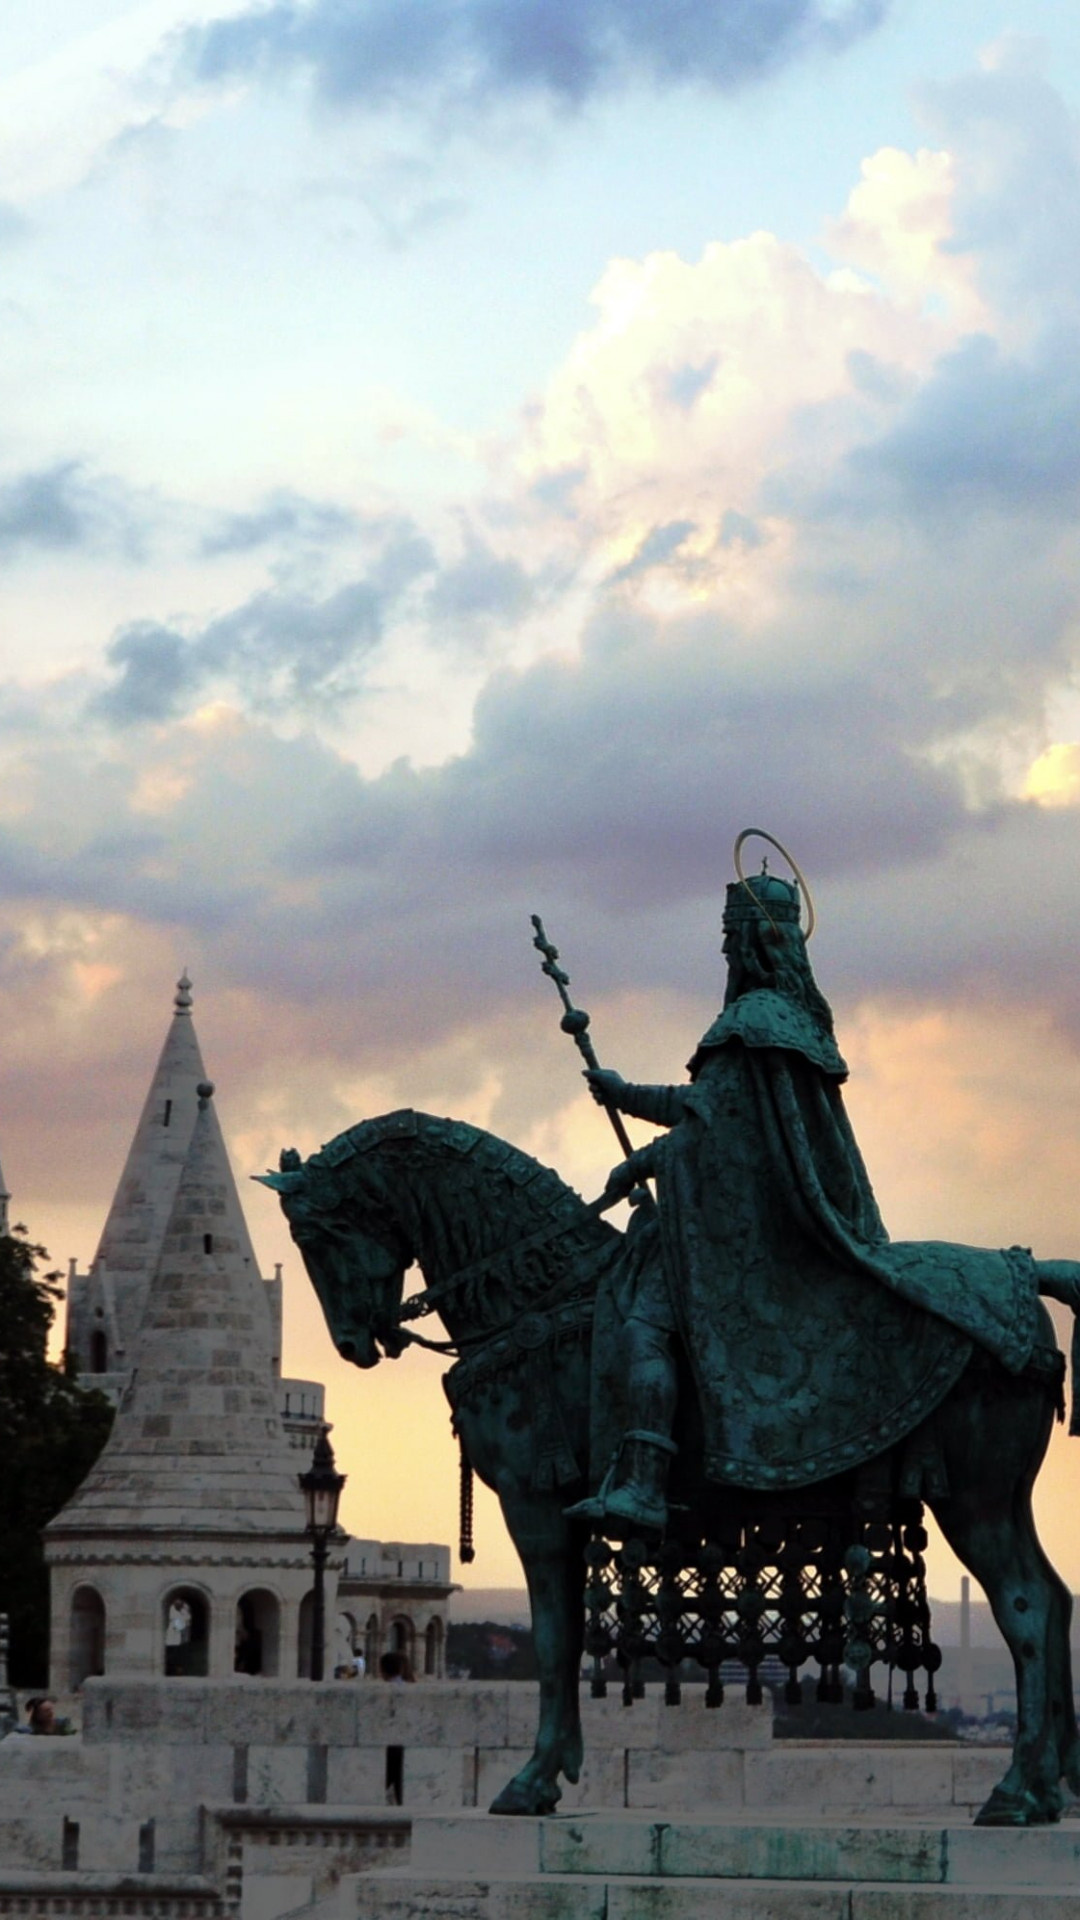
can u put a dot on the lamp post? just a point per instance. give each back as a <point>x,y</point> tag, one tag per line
<point>321,1487</point>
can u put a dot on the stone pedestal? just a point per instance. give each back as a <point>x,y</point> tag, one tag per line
<point>719,1866</point>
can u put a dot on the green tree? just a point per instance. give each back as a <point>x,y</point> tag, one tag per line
<point>51,1432</point>
<point>486,1651</point>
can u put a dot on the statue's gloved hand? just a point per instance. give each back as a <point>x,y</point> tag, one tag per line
<point>605,1085</point>
<point>622,1180</point>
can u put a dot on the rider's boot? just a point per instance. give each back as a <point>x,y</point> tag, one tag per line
<point>634,1490</point>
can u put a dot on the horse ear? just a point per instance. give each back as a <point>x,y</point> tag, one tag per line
<point>290,1182</point>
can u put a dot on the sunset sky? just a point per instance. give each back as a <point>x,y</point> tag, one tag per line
<point>467,458</point>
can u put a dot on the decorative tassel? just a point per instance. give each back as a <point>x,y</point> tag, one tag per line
<point>466,1550</point>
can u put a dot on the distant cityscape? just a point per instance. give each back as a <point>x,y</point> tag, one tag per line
<point>986,1688</point>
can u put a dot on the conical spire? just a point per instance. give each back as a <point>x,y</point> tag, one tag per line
<point>132,1235</point>
<point>197,1445</point>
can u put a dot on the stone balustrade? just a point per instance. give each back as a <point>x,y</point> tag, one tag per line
<point>271,1790</point>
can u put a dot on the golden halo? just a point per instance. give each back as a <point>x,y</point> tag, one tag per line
<point>759,833</point>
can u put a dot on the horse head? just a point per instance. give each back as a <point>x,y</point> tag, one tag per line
<point>354,1255</point>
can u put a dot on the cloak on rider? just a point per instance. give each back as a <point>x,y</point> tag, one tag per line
<point>812,1340</point>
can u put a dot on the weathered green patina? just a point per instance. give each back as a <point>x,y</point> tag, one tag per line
<point>756,1331</point>
<point>812,1340</point>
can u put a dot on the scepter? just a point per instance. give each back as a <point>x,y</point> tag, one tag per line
<point>575,1021</point>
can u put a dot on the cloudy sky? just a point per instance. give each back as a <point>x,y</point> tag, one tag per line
<point>463,458</point>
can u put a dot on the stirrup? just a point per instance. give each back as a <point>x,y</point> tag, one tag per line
<point>618,1502</point>
<point>661,1440</point>
<point>595,1506</point>
<point>626,1505</point>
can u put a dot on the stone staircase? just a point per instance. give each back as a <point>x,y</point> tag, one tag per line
<point>711,1866</point>
<point>34,1895</point>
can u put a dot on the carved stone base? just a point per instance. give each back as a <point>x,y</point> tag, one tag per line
<point>701,1865</point>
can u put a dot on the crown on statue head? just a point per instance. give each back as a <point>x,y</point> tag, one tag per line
<point>763,896</point>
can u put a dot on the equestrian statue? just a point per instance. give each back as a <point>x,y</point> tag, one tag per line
<point>712,1434</point>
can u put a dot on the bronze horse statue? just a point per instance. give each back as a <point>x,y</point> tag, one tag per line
<point>514,1263</point>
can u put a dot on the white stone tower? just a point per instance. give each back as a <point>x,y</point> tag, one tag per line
<point>184,1551</point>
<point>105,1305</point>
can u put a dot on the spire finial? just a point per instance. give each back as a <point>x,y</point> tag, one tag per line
<point>182,1002</point>
<point>205,1091</point>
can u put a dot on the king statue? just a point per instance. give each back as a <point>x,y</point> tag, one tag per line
<point>765,1263</point>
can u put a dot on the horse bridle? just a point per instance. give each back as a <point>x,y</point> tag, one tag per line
<point>419,1305</point>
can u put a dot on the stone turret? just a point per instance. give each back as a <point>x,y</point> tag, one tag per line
<point>105,1305</point>
<point>184,1550</point>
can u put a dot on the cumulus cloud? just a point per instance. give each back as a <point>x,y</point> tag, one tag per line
<point>571,792</point>
<point>779,540</point>
<point>899,227</point>
<point>817,538</point>
<point>736,479</point>
<point>1053,779</point>
<point>285,518</point>
<point>291,651</point>
<point>64,507</point>
<point>989,429</point>
<point>1016,207</point>
<point>283,649</point>
<point>481,587</point>
<point>459,55</point>
<point>791,366</point>
<point>395,910</point>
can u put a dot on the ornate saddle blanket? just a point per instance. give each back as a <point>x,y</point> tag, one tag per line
<point>802,1383</point>
<point>812,1342</point>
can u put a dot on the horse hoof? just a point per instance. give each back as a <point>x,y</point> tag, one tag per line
<point>516,1798</point>
<point>1005,1809</point>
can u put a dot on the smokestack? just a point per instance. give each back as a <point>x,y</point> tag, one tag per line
<point>965,1676</point>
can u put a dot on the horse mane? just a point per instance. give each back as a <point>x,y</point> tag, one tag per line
<point>504,1182</point>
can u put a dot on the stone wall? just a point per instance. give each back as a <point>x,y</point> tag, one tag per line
<point>171,1755</point>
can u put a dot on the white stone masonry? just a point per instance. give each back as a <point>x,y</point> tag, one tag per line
<point>193,1506</point>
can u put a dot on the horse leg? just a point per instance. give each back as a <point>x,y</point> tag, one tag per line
<point>987,1520</point>
<point>1067,1731</point>
<point>553,1556</point>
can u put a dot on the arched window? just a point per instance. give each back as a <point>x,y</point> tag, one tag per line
<point>186,1629</point>
<point>346,1643</point>
<point>258,1633</point>
<point>87,1644</point>
<point>401,1641</point>
<point>303,1644</point>
<point>99,1351</point>
<point>372,1648</point>
<point>433,1639</point>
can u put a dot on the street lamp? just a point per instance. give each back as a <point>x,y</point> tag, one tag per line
<point>321,1487</point>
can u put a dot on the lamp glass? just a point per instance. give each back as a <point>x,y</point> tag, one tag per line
<point>322,1506</point>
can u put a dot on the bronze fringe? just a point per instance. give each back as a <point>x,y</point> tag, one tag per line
<point>466,1550</point>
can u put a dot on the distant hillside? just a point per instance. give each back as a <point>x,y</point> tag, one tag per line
<point>945,1615</point>
<point>509,1606</point>
<point>506,1606</point>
